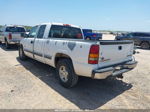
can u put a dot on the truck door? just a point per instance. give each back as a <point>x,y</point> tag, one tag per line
<point>29,42</point>
<point>39,44</point>
<point>48,49</point>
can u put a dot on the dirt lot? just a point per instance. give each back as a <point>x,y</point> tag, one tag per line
<point>32,85</point>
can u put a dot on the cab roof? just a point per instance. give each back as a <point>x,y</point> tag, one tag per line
<point>13,26</point>
<point>61,24</point>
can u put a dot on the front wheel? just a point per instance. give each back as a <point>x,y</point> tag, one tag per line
<point>22,56</point>
<point>66,74</point>
<point>88,38</point>
<point>145,45</point>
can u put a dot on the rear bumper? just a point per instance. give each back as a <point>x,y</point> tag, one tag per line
<point>103,73</point>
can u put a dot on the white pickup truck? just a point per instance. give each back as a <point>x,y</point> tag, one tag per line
<point>11,34</point>
<point>63,46</point>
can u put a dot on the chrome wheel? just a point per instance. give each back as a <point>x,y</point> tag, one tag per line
<point>63,73</point>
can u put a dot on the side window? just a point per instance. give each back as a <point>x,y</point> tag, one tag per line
<point>72,33</point>
<point>65,32</point>
<point>55,31</point>
<point>41,31</point>
<point>33,33</point>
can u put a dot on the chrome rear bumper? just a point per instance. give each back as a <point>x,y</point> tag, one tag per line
<point>103,73</point>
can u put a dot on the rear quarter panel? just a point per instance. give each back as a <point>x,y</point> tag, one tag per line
<point>78,51</point>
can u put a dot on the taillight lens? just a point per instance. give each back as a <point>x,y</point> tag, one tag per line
<point>10,36</point>
<point>94,35</point>
<point>94,54</point>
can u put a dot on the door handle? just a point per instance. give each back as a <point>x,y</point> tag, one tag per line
<point>120,48</point>
<point>32,42</point>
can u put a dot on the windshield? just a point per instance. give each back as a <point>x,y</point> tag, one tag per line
<point>87,31</point>
<point>15,29</point>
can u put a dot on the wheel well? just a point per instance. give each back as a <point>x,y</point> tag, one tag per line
<point>61,56</point>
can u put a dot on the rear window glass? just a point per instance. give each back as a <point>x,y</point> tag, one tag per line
<point>15,29</point>
<point>65,32</point>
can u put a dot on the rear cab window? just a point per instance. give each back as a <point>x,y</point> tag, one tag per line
<point>15,29</point>
<point>58,31</point>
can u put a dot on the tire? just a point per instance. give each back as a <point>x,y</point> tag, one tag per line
<point>66,74</point>
<point>22,56</point>
<point>88,38</point>
<point>7,45</point>
<point>120,76</point>
<point>145,45</point>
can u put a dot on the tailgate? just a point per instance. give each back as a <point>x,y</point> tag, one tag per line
<point>17,36</point>
<point>115,52</point>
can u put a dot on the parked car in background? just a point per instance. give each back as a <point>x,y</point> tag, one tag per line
<point>141,39</point>
<point>90,35</point>
<point>64,47</point>
<point>11,34</point>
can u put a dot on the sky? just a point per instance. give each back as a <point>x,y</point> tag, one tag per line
<point>122,15</point>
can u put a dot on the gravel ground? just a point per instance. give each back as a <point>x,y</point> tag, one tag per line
<point>33,85</point>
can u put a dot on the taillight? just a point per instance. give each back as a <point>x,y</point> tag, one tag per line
<point>10,36</point>
<point>94,35</point>
<point>94,54</point>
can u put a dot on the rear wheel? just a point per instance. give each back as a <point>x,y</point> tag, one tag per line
<point>145,45</point>
<point>66,74</point>
<point>88,38</point>
<point>22,56</point>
